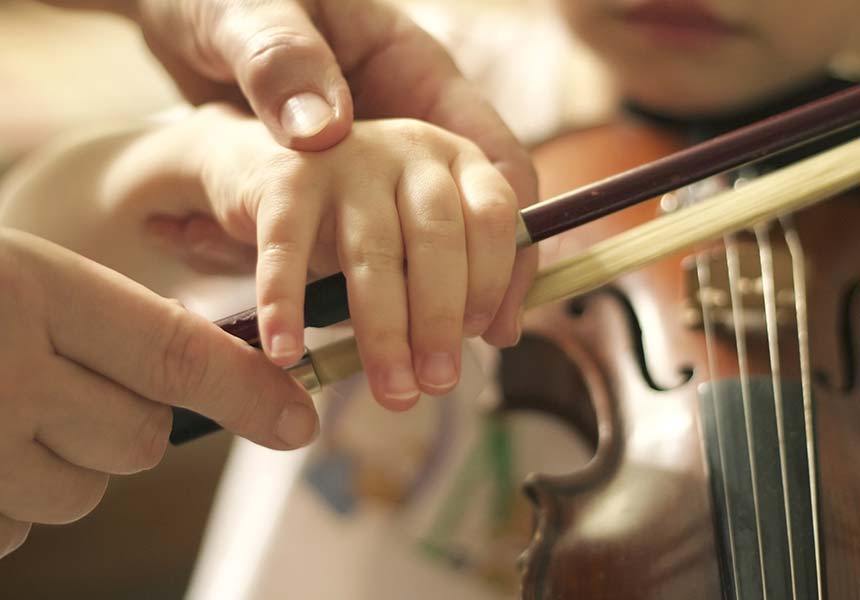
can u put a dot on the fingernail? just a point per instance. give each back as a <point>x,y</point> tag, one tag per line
<point>298,425</point>
<point>437,371</point>
<point>306,114</point>
<point>285,347</point>
<point>474,325</point>
<point>400,384</point>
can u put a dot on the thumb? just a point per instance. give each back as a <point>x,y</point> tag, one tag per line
<point>283,65</point>
<point>120,330</point>
<point>270,48</point>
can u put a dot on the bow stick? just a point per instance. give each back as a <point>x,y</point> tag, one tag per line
<point>784,191</point>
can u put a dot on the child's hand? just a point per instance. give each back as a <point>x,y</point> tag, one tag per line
<point>394,193</point>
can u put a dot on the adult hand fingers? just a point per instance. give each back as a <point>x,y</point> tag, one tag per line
<point>42,488</point>
<point>157,349</point>
<point>12,534</point>
<point>371,255</point>
<point>273,50</point>
<point>94,423</point>
<point>431,218</point>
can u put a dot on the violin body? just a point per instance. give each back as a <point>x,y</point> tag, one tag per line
<point>720,398</point>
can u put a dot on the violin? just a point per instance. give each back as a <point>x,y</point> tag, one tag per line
<point>715,380</point>
<point>718,390</point>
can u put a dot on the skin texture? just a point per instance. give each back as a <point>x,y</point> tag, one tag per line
<point>84,389</point>
<point>305,69</point>
<point>393,191</point>
<point>364,58</point>
<point>772,45</point>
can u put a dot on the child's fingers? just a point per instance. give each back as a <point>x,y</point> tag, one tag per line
<point>371,255</point>
<point>490,214</point>
<point>286,231</point>
<point>506,328</point>
<point>431,216</point>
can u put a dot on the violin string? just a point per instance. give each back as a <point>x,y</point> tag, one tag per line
<point>798,266</point>
<point>703,276</point>
<point>733,263</point>
<point>703,273</point>
<point>762,235</point>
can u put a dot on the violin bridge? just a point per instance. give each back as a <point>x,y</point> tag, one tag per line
<point>715,297</point>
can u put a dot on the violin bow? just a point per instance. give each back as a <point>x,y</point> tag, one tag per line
<point>787,190</point>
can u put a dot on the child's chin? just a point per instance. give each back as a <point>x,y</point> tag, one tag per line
<point>710,99</point>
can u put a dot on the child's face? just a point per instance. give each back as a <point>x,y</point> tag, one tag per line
<point>707,56</point>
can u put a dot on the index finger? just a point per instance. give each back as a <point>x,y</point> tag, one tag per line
<point>154,347</point>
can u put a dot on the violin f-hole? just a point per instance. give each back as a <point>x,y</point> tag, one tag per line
<point>577,307</point>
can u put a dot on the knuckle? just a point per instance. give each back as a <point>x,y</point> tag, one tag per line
<point>283,172</point>
<point>485,299</point>
<point>375,256</point>
<point>497,217</point>
<point>437,233</point>
<point>183,359</point>
<point>269,49</point>
<point>272,179</point>
<point>442,323</point>
<point>279,252</point>
<point>274,259</point>
<point>150,444</point>
<point>415,133</point>
<point>237,217</point>
<point>385,346</point>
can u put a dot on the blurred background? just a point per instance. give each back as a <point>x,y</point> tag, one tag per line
<point>64,70</point>
<point>61,71</point>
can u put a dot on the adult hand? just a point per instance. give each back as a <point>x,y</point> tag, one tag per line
<point>306,67</point>
<point>90,362</point>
